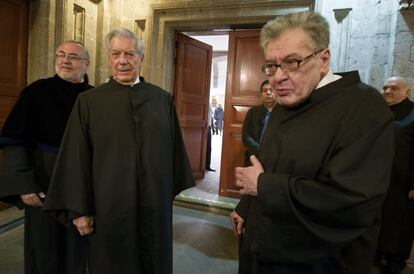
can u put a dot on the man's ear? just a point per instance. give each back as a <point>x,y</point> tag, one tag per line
<point>325,57</point>
<point>408,91</point>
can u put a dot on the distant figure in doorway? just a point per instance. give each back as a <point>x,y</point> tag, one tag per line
<point>208,137</point>
<point>213,109</point>
<point>219,117</point>
<point>397,228</point>
<point>256,121</point>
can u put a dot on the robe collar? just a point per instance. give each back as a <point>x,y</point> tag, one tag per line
<point>328,78</point>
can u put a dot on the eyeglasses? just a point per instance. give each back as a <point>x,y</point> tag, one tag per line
<point>288,65</point>
<point>70,57</point>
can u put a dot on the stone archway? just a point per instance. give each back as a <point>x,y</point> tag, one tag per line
<point>166,19</point>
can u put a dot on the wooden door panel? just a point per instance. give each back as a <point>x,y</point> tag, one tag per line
<point>245,58</point>
<point>13,57</point>
<point>13,47</point>
<point>247,66</point>
<point>191,91</point>
<point>6,105</point>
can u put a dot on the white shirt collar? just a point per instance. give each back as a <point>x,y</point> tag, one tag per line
<point>136,81</point>
<point>329,78</point>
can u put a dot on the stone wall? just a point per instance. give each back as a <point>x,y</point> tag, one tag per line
<point>403,53</point>
<point>373,37</point>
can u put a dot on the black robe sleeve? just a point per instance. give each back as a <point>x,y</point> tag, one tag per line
<point>61,199</point>
<point>17,171</point>
<point>17,176</point>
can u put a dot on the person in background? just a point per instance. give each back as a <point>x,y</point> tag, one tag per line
<point>311,201</point>
<point>397,227</point>
<point>208,137</point>
<point>256,122</point>
<point>30,140</point>
<point>219,117</point>
<point>213,109</point>
<point>121,163</point>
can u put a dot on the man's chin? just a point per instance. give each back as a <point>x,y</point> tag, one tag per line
<point>123,79</point>
<point>289,101</point>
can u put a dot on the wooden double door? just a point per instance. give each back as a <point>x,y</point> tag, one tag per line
<point>192,85</point>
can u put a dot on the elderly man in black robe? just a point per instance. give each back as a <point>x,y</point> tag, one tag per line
<point>256,122</point>
<point>311,200</point>
<point>121,163</point>
<point>397,228</point>
<point>30,139</point>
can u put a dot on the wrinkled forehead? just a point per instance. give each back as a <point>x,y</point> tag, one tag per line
<point>266,86</point>
<point>122,42</point>
<point>393,83</point>
<point>289,42</point>
<point>70,48</point>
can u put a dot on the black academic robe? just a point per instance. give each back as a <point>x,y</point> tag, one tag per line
<point>397,229</point>
<point>122,161</point>
<point>252,130</point>
<point>30,139</point>
<point>327,166</point>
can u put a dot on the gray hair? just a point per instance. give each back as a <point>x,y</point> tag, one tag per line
<point>80,44</point>
<point>127,33</point>
<point>314,24</point>
<point>399,79</point>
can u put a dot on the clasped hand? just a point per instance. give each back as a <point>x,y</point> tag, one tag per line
<point>246,177</point>
<point>84,224</point>
<point>33,199</point>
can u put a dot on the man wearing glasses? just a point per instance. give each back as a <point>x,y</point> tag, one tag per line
<point>311,199</point>
<point>30,140</point>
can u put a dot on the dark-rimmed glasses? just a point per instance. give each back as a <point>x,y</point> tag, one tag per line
<point>71,57</point>
<point>289,65</point>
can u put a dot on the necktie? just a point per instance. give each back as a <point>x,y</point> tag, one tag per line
<point>265,123</point>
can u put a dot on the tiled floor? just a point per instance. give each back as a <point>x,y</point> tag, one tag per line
<point>203,243</point>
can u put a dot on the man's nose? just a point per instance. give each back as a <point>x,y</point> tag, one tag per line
<point>279,75</point>
<point>122,58</point>
<point>66,59</point>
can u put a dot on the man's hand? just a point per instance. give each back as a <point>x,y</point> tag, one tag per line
<point>238,223</point>
<point>33,199</point>
<point>246,177</point>
<point>411,194</point>
<point>84,224</point>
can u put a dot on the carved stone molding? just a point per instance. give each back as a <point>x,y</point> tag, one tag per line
<point>166,19</point>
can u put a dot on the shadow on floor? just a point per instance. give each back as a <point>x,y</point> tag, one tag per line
<point>207,238</point>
